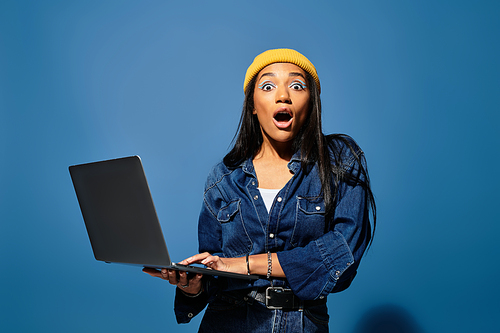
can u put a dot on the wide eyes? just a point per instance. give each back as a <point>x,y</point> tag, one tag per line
<point>267,86</point>
<point>298,85</point>
<point>295,85</point>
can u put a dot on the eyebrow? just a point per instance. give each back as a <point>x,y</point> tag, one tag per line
<point>292,74</point>
<point>297,74</point>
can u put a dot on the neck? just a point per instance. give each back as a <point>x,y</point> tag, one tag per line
<point>274,150</point>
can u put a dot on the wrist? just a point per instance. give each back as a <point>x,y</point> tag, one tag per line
<point>192,295</point>
<point>248,264</point>
<point>235,265</point>
<point>241,265</point>
<point>261,265</point>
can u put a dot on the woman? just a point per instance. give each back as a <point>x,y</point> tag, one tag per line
<point>287,203</point>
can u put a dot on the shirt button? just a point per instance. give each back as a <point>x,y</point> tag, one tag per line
<point>318,207</point>
<point>321,297</point>
<point>271,235</point>
<point>256,197</point>
<point>280,199</point>
<point>190,315</point>
<point>253,183</point>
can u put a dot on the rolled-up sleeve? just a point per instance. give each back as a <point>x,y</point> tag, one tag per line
<point>329,263</point>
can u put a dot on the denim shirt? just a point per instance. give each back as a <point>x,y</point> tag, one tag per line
<point>318,257</point>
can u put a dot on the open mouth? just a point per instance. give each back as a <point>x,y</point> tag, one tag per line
<point>283,117</point>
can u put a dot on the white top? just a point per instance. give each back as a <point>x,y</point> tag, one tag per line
<point>268,196</point>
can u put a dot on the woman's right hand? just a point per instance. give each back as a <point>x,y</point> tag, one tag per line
<point>179,278</point>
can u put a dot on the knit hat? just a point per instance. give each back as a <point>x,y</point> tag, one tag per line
<point>280,55</point>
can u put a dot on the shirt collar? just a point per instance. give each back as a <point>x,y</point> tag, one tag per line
<point>294,164</point>
<point>247,167</point>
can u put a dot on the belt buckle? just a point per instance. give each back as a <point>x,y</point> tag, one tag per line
<point>284,294</point>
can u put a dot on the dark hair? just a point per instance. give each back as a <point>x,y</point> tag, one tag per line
<point>314,146</point>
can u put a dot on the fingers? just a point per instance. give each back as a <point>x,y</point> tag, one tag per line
<point>170,275</point>
<point>210,261</point>
<point>183,280</point>
<point>189,285</point>
<point>151,271</point>
<point>197,258</point>
<point>166,274</point>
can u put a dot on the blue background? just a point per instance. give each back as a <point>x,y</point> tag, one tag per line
<point>416,83</point>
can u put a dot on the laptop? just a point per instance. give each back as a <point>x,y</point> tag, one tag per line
<point>121,219</point>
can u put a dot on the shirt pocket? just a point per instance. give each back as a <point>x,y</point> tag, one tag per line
<point>235,239</point>
<point>309,220</point>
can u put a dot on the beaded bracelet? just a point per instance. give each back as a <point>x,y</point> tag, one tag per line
<point>269,264</point>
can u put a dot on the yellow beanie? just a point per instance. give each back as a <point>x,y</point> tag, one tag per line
<point>280,55</point>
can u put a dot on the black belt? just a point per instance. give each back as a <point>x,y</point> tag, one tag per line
<point>279,298</point>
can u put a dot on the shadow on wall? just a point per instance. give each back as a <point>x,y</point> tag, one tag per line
<point>387,319</point>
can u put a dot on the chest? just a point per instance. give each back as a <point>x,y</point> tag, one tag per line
<point>295,218</point>
<point>272,175</point>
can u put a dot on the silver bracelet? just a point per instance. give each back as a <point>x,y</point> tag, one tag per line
<point>269,264</point>
<point>248,265</point>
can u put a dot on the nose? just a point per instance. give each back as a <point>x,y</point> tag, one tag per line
<point>283,95</point>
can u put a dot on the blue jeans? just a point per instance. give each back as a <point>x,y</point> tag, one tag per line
<point>252,316</point>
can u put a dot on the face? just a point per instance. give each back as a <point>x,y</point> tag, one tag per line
<point>281,101</point>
